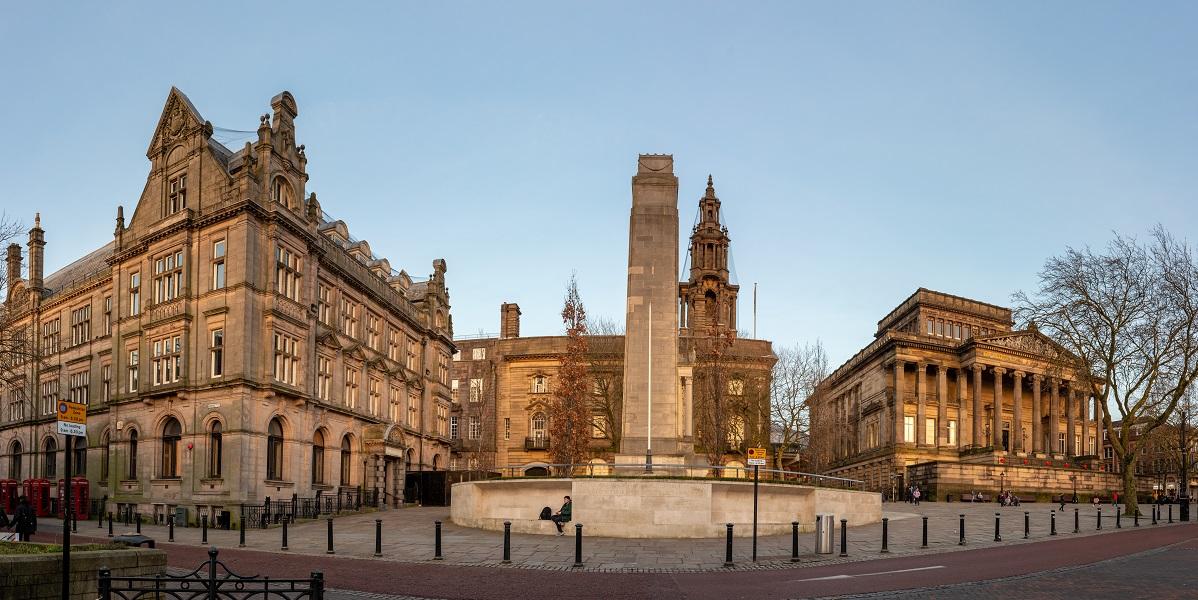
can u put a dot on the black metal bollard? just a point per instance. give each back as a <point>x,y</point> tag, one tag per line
<point>1170,514</point>
<point>1099,526</point>
<point>885,535</point>
<point>578,544</point>
<point>925,532</point>
<point>109,524</point>
<point>138,523</point>
<point>1027,524</point>
<point>330,536</point>
<point>74,523</point>
<point>378,537</point>
<point>728,547</point>
<point>204,529</point>
<point>1118,517</point>
<point>844,537</point>
<point>1077,522</point>
<point>170,528</point>
<point>241,531</point>
<point>1136,517</point>
<point>997,517</point>
<point>962,542</point>
<point>794,541</point>
<point>507,542</point>
<point>1154,512</point>
<point>437,544</point>
<point>1053,530</point>
<point>283,546</point>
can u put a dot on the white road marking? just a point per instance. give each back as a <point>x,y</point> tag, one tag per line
<point>832,577</point>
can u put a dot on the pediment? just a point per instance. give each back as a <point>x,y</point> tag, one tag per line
<point>327,337</point>
<point>1029,341</point>
<point>355,351</point>
<point>179,119</point>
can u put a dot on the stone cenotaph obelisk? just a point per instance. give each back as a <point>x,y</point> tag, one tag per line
<point>653,416</point>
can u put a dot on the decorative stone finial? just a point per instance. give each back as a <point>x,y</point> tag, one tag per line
<point>710,188</point>
<point>37,219</point>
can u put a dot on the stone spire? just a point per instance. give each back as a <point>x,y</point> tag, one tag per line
<point>37,250</point>
<point>708,297</point>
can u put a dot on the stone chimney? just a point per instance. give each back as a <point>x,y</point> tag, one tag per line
<point>37,250</point>
<point>509,320</point>
<point>14,267</point>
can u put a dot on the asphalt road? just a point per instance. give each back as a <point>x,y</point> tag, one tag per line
<point>1026,570</point>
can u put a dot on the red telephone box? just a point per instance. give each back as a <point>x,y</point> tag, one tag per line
<point>80,501</point>
<point>8,495</point>
<point>38,492</point>
<point>59,506</point>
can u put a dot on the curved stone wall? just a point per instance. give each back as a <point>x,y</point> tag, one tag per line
<point>635,507</point>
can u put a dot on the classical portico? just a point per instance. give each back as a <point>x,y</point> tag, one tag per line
<point>947,379</point>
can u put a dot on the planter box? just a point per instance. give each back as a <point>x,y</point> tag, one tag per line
<point>39,576</point>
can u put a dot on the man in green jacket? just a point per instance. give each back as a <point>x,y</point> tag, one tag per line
<point>562,516</point>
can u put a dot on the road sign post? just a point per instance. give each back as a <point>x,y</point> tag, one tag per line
<point>757,460</point>
<point>72,421</point>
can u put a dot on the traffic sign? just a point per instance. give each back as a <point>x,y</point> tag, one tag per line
<point>757,457</point>
<point>72,418</point>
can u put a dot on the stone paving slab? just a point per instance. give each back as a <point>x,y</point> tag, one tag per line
<point>408,537</point>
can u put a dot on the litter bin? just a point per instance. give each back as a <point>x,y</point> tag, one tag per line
<point>180,516</point>
<point>825,532</point>
<point>224,519</point>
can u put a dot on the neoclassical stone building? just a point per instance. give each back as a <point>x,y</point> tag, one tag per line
<point>232,342</point>
<point>503,384</point>
<point>948,396</point>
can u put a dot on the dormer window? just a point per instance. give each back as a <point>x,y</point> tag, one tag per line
<point>176,198</point>
<point>280,192</point>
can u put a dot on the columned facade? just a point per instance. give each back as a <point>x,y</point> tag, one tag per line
<point>948,381</point>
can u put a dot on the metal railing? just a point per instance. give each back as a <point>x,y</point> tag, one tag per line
<point>677,471</point>
<point>210,585</point>
<point>536,443</point>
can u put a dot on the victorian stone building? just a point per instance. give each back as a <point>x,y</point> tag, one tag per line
<point>232,342</point>
<point>503,384</point>
<point>950,397</point>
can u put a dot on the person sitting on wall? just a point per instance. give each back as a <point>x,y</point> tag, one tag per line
<point>562,516</point>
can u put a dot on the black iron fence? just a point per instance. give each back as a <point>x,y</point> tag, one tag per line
<point>276,512</point>
<point>212,580</point>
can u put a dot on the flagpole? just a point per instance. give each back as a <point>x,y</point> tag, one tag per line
<point>649,401</point>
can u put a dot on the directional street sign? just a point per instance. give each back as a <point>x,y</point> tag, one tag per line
<point>72,418</point>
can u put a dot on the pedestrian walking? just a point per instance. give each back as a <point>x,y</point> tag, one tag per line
<point>24,521</point>
<point>915,494</point>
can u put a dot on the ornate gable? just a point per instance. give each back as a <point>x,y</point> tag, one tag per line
<point>179,120</point>
<point>1029,341</point>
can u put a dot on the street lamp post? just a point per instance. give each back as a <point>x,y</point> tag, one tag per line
<point>1073,478</point>
<point>1183,492</point>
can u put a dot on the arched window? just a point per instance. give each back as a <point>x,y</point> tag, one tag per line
<point>436,461</point>
<point>538,428</point>
<point>14,465</point>
<point>132,454</point>
<point>407,465</point>
<point>50,458</point>
<point>79,449</point>
<point>216,449</point>
<point>105,443</point>
<point>274,450</point>
<point>280,191</point>
<point>172,434</point>
<point>318,457</point>
<point>346,454</point>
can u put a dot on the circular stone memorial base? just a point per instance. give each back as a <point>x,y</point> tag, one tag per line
<point>643,507</point>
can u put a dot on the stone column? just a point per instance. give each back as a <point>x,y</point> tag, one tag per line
<point>1037,426</point>
<point>996,426</point>
<point>921,401</point>
<point>1099,428</point>
<point>1083,405</point>
<point>1054,416</point>
<point>1070,420</point>
<point>1017,419</point>
<point>978,434</point>
<point>857,419</point>
<point>899,410</point>
<point>941,405</point>
<point>963,424</point>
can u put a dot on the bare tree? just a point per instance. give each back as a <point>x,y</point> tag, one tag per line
<point>18,341</point>
<point>795,377</point>
<point>570,408</point>
<point>1129,314</point>
<point>605,344</point>
<point>731,396</point>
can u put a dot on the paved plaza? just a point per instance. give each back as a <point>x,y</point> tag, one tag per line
<point>408,536</point>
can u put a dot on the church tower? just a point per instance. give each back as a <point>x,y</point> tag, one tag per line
<point>708,299</point>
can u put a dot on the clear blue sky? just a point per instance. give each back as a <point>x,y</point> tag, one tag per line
<point>861,150</point>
